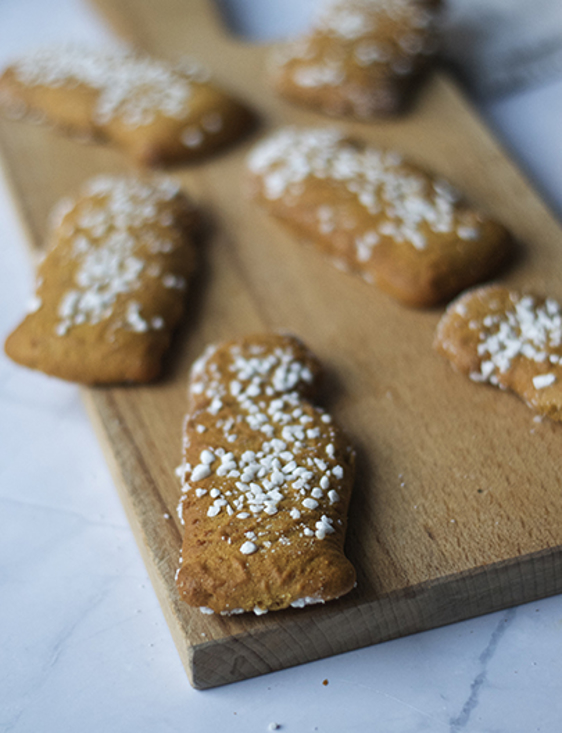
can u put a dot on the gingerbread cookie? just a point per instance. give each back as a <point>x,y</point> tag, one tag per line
<point>375,214</point>
<point>111,287</point>
<point>156,112</point>
<point>510,340</point>
<point>361,58</point>
<point>267,481</point>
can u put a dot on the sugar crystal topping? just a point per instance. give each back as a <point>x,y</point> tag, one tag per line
<point>131,88</point>
<point>351,20</point>
<point>405,203</point>
<point>109,240</point>
<point>292,468</point>
<point>529,329</point>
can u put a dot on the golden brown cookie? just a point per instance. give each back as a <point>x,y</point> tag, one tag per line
<point>111,287</point>
<point>361,58</point>
<point>156,112</point>
<point>510,340</point>
<point>267,482</point>
<point>375,214</point>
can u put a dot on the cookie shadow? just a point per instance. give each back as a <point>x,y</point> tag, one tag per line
<point>178,356</point>
<point>361,527</point>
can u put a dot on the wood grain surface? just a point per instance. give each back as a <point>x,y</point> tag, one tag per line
<point>458,504</point>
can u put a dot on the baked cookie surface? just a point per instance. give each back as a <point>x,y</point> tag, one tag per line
<point>510,340</point>
<point>361,58</point>
<point>266,485</point>
<point>376,215</point>
<point>156,112</point>
<point>111,287</point>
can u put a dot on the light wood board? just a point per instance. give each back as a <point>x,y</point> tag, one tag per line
<point>458,504</point>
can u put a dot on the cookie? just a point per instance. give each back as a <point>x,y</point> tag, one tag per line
<point>375,214</point>
<point>266,485</point>
<point>156,112</point>
<point>111,287</point>
<point>361,58</point>
<point>508,339</point>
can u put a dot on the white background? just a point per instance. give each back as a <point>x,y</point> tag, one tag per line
<point>83,644</point>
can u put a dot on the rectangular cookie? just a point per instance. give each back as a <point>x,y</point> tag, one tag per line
<point>376,215</point>
<point>360,58</point>
<point>267,479</point>
<point>111,287</point>
<point>156,112</point>
<point>508,339</point>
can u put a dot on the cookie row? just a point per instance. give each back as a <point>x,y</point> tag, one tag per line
<point>361,58</point>
<point>113,279</point>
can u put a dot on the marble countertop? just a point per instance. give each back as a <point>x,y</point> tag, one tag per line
<point>83,643</point>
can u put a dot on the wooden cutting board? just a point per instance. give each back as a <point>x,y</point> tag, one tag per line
<point>458,503</point>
